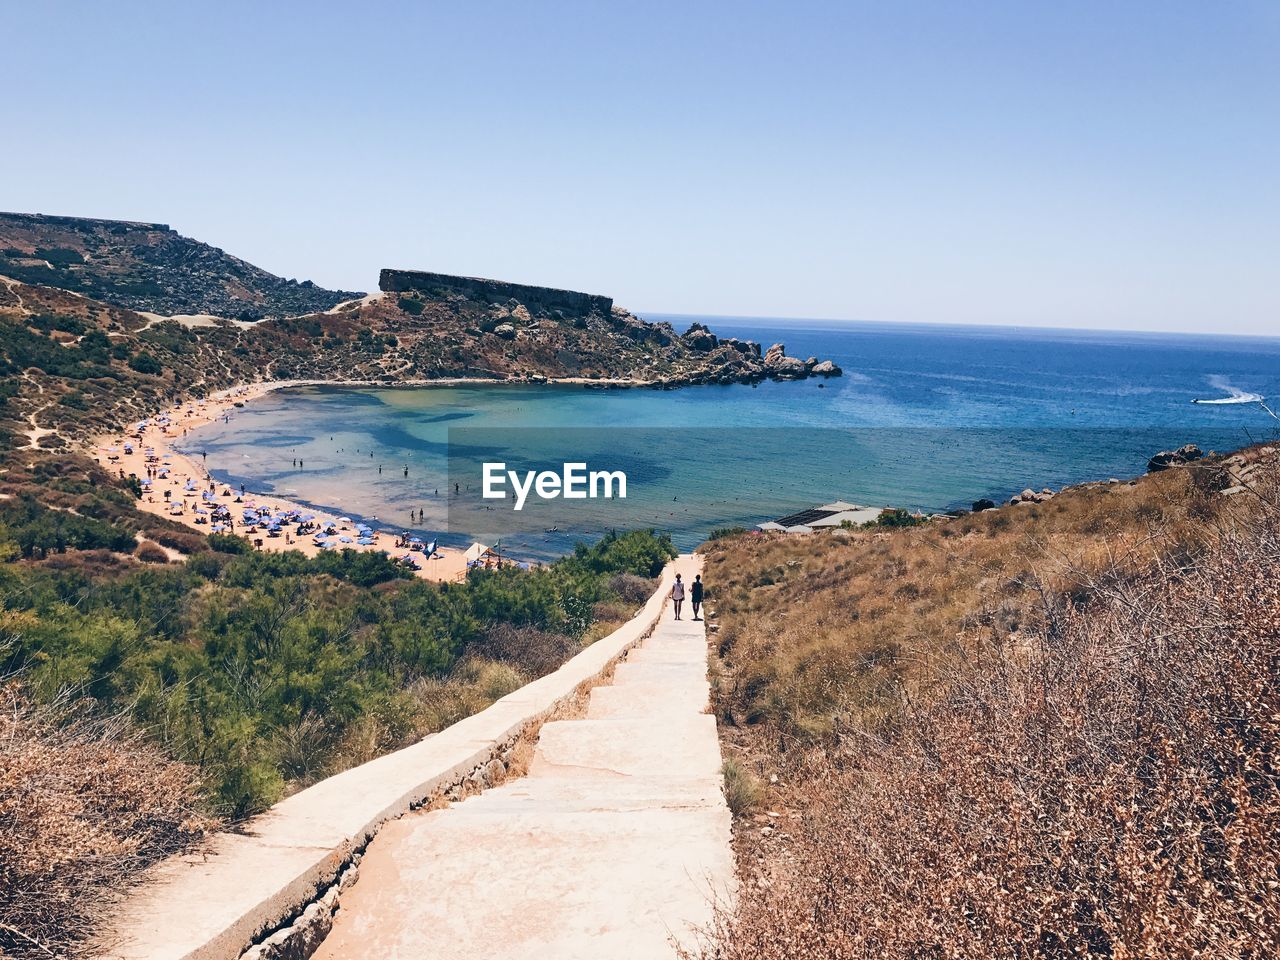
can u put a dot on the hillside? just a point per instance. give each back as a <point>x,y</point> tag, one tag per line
<point>75,365</point>
<point>1045,730</point>
<point>149,267</point>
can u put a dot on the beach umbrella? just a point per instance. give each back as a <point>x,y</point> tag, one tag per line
<point>201,511</point>
<point>344,519</point>
<point>431,547</point>
<point>345,540</point>
<point>365,542</point>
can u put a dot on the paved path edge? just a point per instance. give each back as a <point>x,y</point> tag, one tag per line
<point>243,886</point>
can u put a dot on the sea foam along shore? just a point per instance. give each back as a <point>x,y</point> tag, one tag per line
<point>149,445</point>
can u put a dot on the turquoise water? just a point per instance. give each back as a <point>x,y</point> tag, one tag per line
<point>925,417</point>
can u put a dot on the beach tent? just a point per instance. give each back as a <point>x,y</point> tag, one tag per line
<point>475,552</point>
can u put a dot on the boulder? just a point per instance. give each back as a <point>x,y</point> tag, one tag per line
<point>774,354</point>
<point>787,368</point>
<point>1174,458</point>
<point>983,504</point>
<point>699,338</point>
<point>505,330</point>
<point>826,369</point>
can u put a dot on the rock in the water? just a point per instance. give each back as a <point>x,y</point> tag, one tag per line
<point>787,368</point>
<point>826,368</point>
<point>774,354</point>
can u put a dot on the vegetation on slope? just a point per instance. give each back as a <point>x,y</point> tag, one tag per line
<point>1040,732</point>
<point>269,670</point>
<point>216,684</point>
<point>151,267</point>
<point>73,367</point>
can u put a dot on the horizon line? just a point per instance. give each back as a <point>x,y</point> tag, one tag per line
<point>958,324</point>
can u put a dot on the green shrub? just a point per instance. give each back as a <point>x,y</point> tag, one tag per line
<point>144,362</point>
<point>720,533</point>
<point>742,791</point>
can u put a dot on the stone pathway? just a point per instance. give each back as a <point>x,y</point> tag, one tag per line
<point>614,844</point>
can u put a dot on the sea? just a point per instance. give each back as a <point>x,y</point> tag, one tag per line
<point>925,417</point>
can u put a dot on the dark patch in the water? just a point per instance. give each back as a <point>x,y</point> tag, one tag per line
<point>442,418</point>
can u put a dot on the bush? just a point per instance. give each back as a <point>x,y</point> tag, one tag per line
<point>897,517</point>
<point>721,533</point>
<point>742,791</point>
<point>1090,772</point>
<point>230,543</point>
<point>40,531</point>
<point>144,362</point>
<point>149,552</point>
<point>534,652</point>
<point>630,588</point>
<point>87,805</point>
<point>184,541</point>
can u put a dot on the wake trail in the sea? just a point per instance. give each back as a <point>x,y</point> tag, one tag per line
<point>1234,394</point>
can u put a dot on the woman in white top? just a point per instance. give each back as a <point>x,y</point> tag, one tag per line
<point>677,595</point>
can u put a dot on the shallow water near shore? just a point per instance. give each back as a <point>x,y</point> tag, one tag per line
<point>925,417</point>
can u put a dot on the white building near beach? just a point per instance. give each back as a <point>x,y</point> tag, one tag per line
<point>823,517</point>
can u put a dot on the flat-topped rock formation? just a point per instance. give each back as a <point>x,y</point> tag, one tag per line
<point>535,299</point>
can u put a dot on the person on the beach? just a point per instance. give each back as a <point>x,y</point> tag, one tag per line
<point>695,595</point>
<point>677,595</point>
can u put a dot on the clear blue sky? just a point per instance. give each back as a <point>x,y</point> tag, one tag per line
<point>1082,164</point>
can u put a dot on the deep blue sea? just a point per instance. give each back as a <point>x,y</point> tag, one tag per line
<point>925,416</point>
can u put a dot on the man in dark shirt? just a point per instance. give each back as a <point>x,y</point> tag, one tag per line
<point>695,594</point>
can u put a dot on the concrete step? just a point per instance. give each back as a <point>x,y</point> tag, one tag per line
<point>625,746</point>
<point>640,698</point>
<point>615,845</point>
<point>570,886</point>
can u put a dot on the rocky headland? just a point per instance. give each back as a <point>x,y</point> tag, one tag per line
<point>106,321</point>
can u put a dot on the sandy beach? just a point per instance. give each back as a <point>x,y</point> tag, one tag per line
<point>179,487</point>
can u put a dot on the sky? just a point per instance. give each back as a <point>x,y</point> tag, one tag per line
<point>1085,164</point>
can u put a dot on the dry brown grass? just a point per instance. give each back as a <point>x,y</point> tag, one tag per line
<point>820,630</point>
<point>1068,747</point>
<point>85,805</point>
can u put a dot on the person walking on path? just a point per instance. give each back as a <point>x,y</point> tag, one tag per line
<point>677,595</point>
<point>695,594</point>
